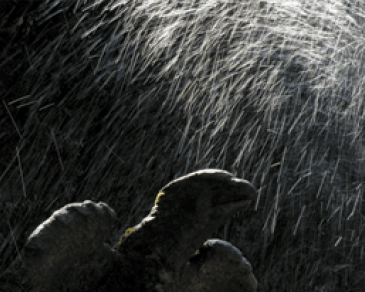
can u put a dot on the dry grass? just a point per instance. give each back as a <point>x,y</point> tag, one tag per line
<point>122,97</point>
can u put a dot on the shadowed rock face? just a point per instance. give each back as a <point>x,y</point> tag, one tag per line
<point>218,266</point>
<point>67,253</point>
<point>186,212</point>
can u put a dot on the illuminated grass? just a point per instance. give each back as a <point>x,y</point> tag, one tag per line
<point>128,96</point>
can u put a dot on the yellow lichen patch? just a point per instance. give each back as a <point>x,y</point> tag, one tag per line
<point>128,232</point>
<point>198,250</point>
<point>160,194</point>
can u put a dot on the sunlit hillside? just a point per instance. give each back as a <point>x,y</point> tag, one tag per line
<point>110,100</point>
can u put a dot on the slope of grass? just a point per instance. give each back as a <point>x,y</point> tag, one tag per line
<point>122,96</point>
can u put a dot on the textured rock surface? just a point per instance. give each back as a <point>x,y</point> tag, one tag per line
<point>218,266</point>
<point>67,251</point>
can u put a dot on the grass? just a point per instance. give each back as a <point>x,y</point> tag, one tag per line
<point>110,101</point>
